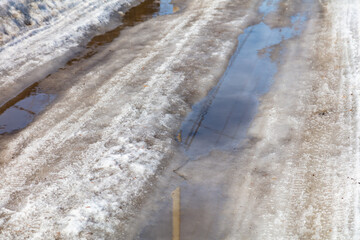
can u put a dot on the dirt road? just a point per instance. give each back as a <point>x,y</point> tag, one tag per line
<point>295,175</point>
<point>99,161</point>
<point>82,166</point>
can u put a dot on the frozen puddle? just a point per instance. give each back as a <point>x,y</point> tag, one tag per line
<point>220,121</point>
<point>21,110</point>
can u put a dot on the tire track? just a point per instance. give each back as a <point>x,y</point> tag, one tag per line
<point>81,168</point>
<point>301,176</point>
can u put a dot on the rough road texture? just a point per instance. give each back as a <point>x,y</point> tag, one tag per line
<point>297,175</point>
<point>80,168</point>
<point>37,35</point>
<point>301,179</point>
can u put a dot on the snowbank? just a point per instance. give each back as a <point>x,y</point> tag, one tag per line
<point>35,32</point>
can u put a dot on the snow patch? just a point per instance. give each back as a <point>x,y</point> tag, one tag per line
<point>36,32</point>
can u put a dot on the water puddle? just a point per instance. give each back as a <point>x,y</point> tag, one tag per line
<point>21,110</point>
<point>145,11</point>
<point>220,121</point>
<point>268,6</point>
<point>199,208</point>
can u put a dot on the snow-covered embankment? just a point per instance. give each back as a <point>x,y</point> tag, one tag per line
<point>36,37</point>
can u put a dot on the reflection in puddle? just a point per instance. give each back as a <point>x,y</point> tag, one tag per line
<point>222,118</point>
<point>219,121</point>
<point>166,7</point>
<point>199,209</point>
<point>268,6</point>
<point>20,111</point>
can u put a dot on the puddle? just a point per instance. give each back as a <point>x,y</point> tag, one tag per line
<point>221,119</point>
<point>145,11</point>
<point>199,208</point>
<point>21,110</point>
<point>268,6</point>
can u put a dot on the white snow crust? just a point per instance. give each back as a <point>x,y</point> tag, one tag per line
<point>35,32</point>
<point>80,168</point>
<point>301,176</point>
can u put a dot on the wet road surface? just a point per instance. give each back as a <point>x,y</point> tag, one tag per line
<point>21,110</point>
<point>92,155</point>
<point>220,121</point>
<point>263,146</point>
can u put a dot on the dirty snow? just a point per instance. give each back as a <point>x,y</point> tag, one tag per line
<point>84,164</point>
<point>300,176</point>
<point>36,32</point>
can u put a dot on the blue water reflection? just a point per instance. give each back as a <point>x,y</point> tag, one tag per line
<point>21,111</point>
<point>222,118</point>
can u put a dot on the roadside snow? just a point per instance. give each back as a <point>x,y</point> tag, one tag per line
<point>346,19</point>
<point>35,32</point>
<point>83,165</point>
